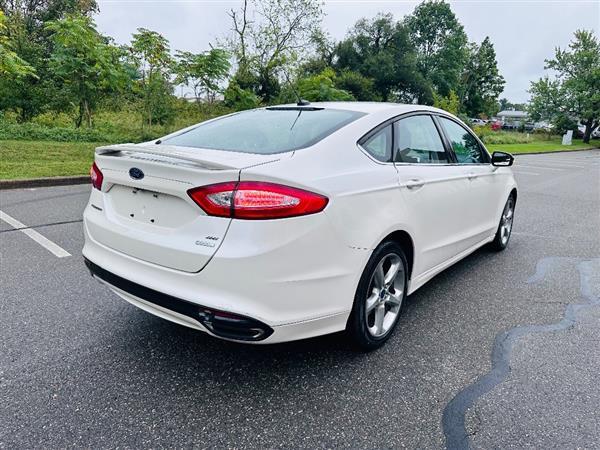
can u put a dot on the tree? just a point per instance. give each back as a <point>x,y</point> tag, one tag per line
<point>267,36</point>
<point>441,44</point>
<point>240,99</point>
<point>36,13</point>
<point>204,72</point>
<point>575,90</point>
<point>29,39</point>
<point>505,104</point>
<point>451,103</point>
<point>317,88</point>
<point>10,63</point>
<point>84,62</point>
<point>150,51</point>
<point>362,88</point>
<point>481,82</point>
<point>380,49</point>
<point>322,57</point>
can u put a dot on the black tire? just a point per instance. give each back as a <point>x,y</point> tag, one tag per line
<point>360,323</point>
<point>501,240</point>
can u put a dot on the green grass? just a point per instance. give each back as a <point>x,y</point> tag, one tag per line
<point>33,159</point>
<point>537,146</point>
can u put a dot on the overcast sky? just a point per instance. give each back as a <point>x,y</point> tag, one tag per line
<point>524,33</point>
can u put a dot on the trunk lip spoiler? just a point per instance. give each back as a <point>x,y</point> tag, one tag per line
<point>170,152</point>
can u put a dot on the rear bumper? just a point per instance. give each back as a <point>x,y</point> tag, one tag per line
<point>219,323</point>
<point>279,282</point>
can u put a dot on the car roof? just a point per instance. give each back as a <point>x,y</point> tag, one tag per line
<point>368,107</point>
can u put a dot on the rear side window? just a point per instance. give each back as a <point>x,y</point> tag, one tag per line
<point>465,146</point>
<point>379,145</point>
<point>418,141</point>
<point>265,131</point>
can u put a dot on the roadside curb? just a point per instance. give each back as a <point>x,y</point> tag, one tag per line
<point>555,151</point>
<point>44,182</point>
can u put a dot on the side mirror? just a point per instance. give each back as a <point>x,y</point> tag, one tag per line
<point>502,159</point>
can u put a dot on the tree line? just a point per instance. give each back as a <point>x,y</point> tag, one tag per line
<point>52,58</point>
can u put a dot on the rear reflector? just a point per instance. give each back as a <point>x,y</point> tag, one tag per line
<point>96,176</point>
<point>256,200</point>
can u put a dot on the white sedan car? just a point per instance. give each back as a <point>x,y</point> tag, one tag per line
<point>288,222</point>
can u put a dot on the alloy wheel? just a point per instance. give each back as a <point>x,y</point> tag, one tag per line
<point>385,293</point>
<point>507,221</point>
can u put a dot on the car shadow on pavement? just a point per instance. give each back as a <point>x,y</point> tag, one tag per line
<point>187,349</point>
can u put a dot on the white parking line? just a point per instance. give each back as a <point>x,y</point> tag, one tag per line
<point>528,166</point>
<point>37,237</point>
<point>524,172</point>
<point>561,160</point>
<point>560,165</point>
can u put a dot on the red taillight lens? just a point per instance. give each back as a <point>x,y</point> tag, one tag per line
<point>214,199</point>
<point>96,176</point>
<point>256,200</point>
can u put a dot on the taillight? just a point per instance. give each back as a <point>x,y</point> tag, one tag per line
<point>256,200</point>
<point>96,176</point>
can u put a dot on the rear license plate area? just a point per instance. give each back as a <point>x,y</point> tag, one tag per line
<point>151,207</point>
<point>145,206</point>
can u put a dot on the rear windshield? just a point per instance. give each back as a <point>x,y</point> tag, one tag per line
<point>265,131</point>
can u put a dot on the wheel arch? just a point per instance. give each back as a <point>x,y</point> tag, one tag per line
<point>404,240</point>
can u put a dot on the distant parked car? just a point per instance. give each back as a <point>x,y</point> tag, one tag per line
<point>513,125</point>
<point>543,126</point>
<point>497,125</point>
<point>478,122</point>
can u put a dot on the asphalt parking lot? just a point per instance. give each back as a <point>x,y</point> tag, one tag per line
<point>499,351</point>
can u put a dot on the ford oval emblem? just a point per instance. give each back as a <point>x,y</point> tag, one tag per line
<point>136,173</point>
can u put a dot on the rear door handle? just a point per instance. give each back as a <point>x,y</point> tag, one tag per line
<point>414,183</point>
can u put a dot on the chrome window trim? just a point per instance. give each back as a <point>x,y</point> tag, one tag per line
<point>384,163</point>
<point>393,119</point>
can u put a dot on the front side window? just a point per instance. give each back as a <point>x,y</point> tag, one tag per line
<point>265,131</point>
<point>379,145</point>
<point>465,146</point>
<point>418,141</point>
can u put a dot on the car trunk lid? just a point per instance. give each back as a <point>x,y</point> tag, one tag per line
<point>145,211</point>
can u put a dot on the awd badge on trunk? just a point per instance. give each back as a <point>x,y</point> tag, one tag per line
<point>136,173</point>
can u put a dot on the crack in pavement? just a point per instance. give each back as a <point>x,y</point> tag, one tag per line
<point>66,222</point>
<point>453,418</point>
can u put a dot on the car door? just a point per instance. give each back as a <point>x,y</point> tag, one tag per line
<point>486,189</point>
<point>434,191</point>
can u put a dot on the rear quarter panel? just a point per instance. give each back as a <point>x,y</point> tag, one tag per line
<point>363,194</point>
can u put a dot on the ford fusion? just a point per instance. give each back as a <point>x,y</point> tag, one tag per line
<point>288,222</point>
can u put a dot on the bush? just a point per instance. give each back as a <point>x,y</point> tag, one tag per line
<point>109,126</point>
<point>240,99</point>
<point>321,88</point>
<point>506,137</point>
<point>36,132</point>
<point>357,85</point>
<point>564,123</point>
<point>52,119</point>
<point>543,135</point>
<point>451,103</point>
<point>483,130</point>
